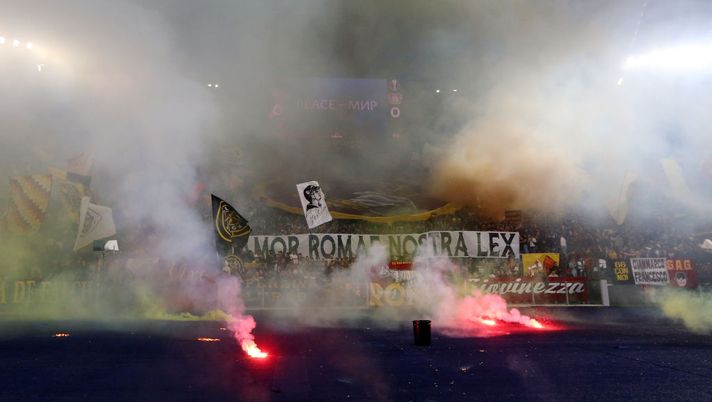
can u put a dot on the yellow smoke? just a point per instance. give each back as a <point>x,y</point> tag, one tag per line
<point>694,309</point>
<point>496,165</point>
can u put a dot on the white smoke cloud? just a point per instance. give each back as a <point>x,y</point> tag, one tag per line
<point>551,129</point>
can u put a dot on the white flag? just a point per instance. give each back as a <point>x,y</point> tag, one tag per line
<point>313,204</point>
<point>95,222</point>
<point>618,206</point>
<point>675,177</point>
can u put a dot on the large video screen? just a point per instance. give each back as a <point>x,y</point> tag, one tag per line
<point>338,108</point>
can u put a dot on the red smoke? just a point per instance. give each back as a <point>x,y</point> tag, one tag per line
<point>486,309</point>
<point>242,327</point>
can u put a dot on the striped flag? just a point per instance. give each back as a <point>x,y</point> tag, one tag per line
<point>29,198</point>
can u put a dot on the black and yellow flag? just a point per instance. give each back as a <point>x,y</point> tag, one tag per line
<point>231,229</point>
<point>29,198</point>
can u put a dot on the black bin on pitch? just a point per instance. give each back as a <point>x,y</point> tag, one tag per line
<point>421,332</point>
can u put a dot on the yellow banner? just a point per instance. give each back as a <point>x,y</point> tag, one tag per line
<point>539,263</point>
<point>260,193</point>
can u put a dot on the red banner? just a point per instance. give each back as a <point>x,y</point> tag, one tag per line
<point>682,273</point>
<point>400,265</point>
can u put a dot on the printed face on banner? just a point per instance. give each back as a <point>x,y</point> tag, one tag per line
<point>682,273</point>
<point>313,204</point>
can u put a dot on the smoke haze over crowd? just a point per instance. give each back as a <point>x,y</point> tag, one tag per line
<point>544,117</point>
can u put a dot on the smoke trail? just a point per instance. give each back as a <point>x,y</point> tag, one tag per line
<point>241,325</point>
<point>693,309</point>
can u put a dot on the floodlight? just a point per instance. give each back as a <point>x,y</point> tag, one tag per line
<point>2,40</point>
<point>15,43</point>
<point>683,57</point>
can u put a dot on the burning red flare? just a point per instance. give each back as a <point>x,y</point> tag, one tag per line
<point>207,339</point>
<point>60,335</point>
<point>488,321</point>
<point>535,324</point>
<point>250,347</point>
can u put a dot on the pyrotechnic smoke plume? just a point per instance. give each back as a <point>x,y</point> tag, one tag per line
<point>439,295</point>
<point>693,309</point>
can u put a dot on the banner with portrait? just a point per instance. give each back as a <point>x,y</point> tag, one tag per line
<point>314,204</point>
<point>682,273</point>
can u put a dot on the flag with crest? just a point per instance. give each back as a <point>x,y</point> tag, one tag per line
<point>231,228</point>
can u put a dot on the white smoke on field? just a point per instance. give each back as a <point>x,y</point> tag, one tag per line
<point>91,84</point>
<point>538,122</point>
<point>692,308</point>
<point>128,80</point>
<point>433,289</point>
<point>338,297</point>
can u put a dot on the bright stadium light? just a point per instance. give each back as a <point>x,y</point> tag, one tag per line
<point>15,43</point>
<point>2,40</point>
<point>437,91</point>
<point>681,58</point>
<point>29,45</point>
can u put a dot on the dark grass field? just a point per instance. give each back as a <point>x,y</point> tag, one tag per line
<point>595,354</point>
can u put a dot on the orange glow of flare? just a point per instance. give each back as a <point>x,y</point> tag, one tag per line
<point>250,347</point>
<point>489,322</point>
<point>60,335</point>
<point>536,324</point>
<point>207,339</point>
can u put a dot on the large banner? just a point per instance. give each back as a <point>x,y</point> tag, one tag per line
<point>452,244</point>
<point>24,292</point>
<point>391,293</point>
<point>682,273</point>
<point>649,271</point>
